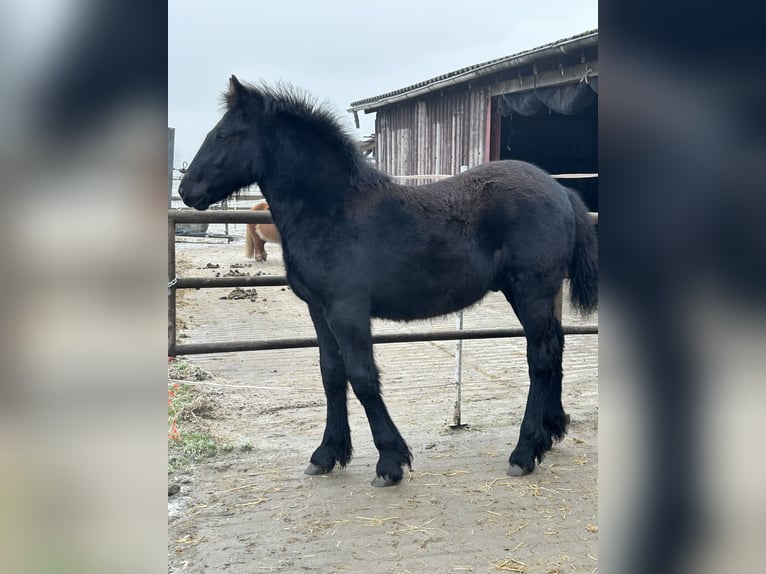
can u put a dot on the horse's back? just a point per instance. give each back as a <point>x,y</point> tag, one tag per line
<point>514,180</point>
<point>498,199</point>
<point>492,185</point>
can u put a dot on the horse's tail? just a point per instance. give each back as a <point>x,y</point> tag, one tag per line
<point>249,242</point>
<point>583,268</point>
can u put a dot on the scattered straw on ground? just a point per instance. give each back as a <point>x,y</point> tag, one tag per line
<point>509,565</point>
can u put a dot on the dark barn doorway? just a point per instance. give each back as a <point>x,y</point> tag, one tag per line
<point>530,126</point>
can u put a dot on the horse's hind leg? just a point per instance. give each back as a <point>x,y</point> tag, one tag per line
<point>544,417</point>
<point>259,245</point>
<point>351,325</point>
<point>249,244</point>
<point>254,243</point>
<point>336,442</point>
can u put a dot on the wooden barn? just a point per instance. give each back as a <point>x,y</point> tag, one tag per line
<point>540,105</point>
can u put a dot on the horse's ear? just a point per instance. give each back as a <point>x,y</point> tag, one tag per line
<point>235,93</point>
<point>234,84</point>
<point>240,94</point>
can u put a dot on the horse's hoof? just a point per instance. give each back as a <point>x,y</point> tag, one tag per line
<point>383,481</point>
<point>313,470</point>
<point>516,470</point>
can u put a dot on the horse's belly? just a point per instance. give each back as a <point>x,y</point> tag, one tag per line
<point>421,302</point>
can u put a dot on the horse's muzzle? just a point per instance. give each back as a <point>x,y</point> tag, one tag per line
<point>193,197</point>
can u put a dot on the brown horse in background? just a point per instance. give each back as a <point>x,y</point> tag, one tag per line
<point>258,234</point>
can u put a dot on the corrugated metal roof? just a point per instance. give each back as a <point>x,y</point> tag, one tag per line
<point>470,71</point>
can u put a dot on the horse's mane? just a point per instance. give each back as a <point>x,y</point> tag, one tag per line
<point>283,98</point>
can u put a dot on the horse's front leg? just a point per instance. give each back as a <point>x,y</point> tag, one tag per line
<point>350,322</point>
<point>336,442</point>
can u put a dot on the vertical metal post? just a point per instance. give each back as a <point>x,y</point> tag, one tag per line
<point>225,207</point>
<point>171,246</point>
<point>171,283</point>
<point>171,151</point>
<point>457,414</point>
<point>558,303</point>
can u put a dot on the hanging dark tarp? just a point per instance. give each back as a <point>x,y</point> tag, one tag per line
<point>567,99</point>
<point>523,103</point>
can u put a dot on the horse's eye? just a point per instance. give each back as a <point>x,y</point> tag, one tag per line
<point>221,136</point>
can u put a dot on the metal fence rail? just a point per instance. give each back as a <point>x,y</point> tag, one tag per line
<point>304,342</point>
<point>194,216</point>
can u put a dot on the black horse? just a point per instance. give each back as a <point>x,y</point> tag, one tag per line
<point>401,253</point>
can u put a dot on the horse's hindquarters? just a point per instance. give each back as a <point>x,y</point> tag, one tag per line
<point>268,232</point>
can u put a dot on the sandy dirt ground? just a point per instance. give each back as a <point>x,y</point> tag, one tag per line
<point>456,511</point>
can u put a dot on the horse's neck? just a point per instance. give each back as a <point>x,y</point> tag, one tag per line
<point>306,186</point>
<point>296,205</point>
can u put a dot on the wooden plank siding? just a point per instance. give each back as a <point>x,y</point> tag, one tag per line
<point>434,135</point>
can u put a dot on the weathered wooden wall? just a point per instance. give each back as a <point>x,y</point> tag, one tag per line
<point>434,135</point>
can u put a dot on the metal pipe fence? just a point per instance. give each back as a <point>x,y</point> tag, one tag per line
<point>174,282</point>
<point>226,216</point>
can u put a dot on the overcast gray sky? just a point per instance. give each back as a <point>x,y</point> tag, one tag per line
<point>342,51</point>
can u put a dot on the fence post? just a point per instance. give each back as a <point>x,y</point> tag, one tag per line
<point>171,150</point>
<point>457,414</point>
<point>171,283</point>
<point>225,207</point>
<point>171,246</point>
